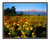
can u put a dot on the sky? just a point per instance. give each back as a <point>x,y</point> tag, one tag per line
<point>26,6</point>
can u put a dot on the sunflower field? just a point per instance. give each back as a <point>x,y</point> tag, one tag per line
<point>24,26</point>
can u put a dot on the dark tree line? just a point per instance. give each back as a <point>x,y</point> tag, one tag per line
<point>11,12</point>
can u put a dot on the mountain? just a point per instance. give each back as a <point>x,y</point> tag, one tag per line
<point>33,11</point>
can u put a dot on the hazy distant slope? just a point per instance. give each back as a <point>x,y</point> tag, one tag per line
<point>34,12</point>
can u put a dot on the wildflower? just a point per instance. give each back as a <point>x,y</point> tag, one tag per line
<point>23,25</point>
<point>22,32</point>
<point>19,28</point>
<point>27,28</point>
<point>17,24</point>
<point>39,24</point>
<point>21,35</point>
<point>14,23</point>
<point>9,33</point>
<point>12,28</point>
<point>18,37</point>
<point>5,23</point>
<point>32,33</point>
<point>25,36</point>
<point>7,26</point>
<point>31,28</point>
<point>26,22</point>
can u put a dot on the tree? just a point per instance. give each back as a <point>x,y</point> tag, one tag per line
<point>7,11</point>
<point>21,13</point>
<point>13,10</point>
<point>38,14</point>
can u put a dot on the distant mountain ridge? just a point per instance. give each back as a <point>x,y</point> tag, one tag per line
<point>33,11</point>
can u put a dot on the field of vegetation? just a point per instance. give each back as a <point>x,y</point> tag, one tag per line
<point>26,26</point>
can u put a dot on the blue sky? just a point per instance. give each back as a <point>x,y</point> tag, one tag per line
<point>26,6</point>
